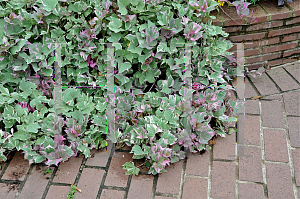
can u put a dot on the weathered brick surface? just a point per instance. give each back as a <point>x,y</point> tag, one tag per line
<point>247,191</point>
<point>250,168</point>
<point>202,162</point>
<point>281,61</point>
<point>89,183</point>
<point>294,70</point>
<point>272,114</point>
<point>249,90</point>
<point>17,168</point>
<point>223,180</point>
<point>99,158</point>
<point>67,171</point>
<point>283,80</point>
<point>289,38</point>
<point>194,187</point>
<point>271,7</point>
<point>296,7</point>
<point>280,47</point>
<point>141,185</point>
<point>251,106</point>
<point>169,182</point>
<point>285,31</point>
<point>249,52</point>
<point>270,24</point>
<point>291,52</point>
<point>252,130</point>
<point>8,190</point>
<point>116,174</point>
<point>108,193</point>
<point>225,147</point>
<point>58,192</point>
<point>261,81</point>
<point>232,29</point>
<point>264,42</point>
<point>293,20</point>
<point>36,183</point>
<point>294,123</point>
<point>248,37</point>
<point>275,145</point>
<point>279,181</point>
<point>296,162</point>
<point>163,197</point>
<point>261,58</point>
<point>291,103</point>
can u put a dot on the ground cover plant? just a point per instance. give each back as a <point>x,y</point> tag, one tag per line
<point>151,113</point>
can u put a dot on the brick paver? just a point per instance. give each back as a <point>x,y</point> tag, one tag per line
<point>67,171</point>
<point>291,103</point>
<point>225,147</point>
<point>116,174</point>
<point>17,168</point>
<point>283,80</point>
<point>252,130</point>
<point>99,158</point>
<point>296,161</point>
<point>58,192</point>
<point>194,188</point>
<point>251,106</point>
<point>37,179</point>
<point>264,85</point>
<point>89,183</point>
<point>272,114</point>
<point>247,191</point>
<point>279,181</point>
<point>275,145</point>
<point>141,186</point>
<point>169,182</point>
<point>250,168</point>
<point>107,193</point>
<point>223,180</point>
<point>202,162</point>
<point>294,70</point>
<point>294,131</point>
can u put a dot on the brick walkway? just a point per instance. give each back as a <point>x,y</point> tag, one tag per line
<point>269,167</point>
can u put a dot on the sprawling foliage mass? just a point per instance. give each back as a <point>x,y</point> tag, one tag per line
<point>149,40</point>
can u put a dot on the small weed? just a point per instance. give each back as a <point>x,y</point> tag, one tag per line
<point>48,171</point>
<point>72,192</point>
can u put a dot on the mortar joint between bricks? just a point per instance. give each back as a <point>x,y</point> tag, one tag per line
<point>269,15</point>
<point>291,9</point>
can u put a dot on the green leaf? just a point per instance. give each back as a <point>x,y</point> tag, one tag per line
<point>33,127</point>
<point>4,91</point>
<point>122,4</point>
<point>115,24</point>
<point>137,150</point>
<point>151,130</point>
<point>171,138</point>
<point>231,131</point>
<point>131,169</point>
<point>18,47</point>
<point>78,115</point>
<point>115,37</point>
<point>124,66</point>
<point>76,7</point>
<point>40,140</point>
<point>38,159</point>
<point>70,94</point>
<point>49,5</point>
<point>21,135</point>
